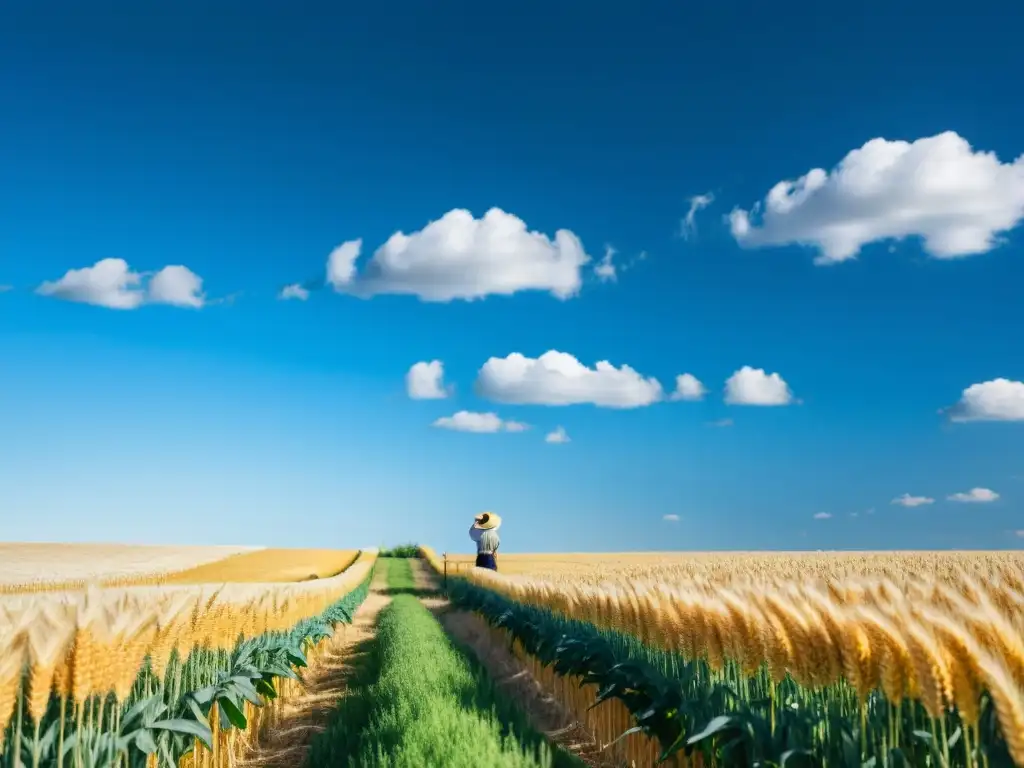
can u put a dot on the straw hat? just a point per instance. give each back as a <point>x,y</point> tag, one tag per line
<point>486,521</point>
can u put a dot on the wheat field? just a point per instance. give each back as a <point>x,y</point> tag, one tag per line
<point>94,652</point>
<point>51,566</point>
<point>267,565</point>
<point>728,567</point>
<point>925,641</point>
<point>69,567</point>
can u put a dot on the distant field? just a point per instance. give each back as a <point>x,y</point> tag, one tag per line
<point>268,565</point>
<point>729,566</point>
<point>51,567</point>
<point>28,567</point>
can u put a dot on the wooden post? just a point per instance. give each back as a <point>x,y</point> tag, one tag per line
<point>444,556</point>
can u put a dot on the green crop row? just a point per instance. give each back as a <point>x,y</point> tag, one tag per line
<point>734,720</point>
<point>421,701</point>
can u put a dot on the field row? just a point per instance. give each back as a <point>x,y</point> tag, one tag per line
<point>920,653</point>
<point>168,662</point>
<point>422,701</point>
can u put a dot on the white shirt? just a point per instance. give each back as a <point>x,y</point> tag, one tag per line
<point>475,534</point>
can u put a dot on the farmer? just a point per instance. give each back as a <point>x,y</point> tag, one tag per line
<point>484,532</point>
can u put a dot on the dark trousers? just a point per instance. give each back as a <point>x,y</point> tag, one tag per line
<point>486,561</point>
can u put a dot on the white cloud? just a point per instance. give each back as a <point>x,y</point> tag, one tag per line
<point>461,257</point>
<point>906,500</point>
<point>975,495</point>
<point>722,423</point>
<point>341,264</point>
<point>938,188</point>
<point>178,286</point>
<point>111,283</point>
<point>671,518</point>
<point>108,283</point>
<point>688,387</point>
<point>294,291</point>
<point>996,400</point>
<point>752,386</point>
<point>610,267</point>
<point>822,515</point>
<point>557,378</point>
<point>689,223</point>
<point>425,381</point>
<point>557,435</point>
<point>605,268</point>
<point>468,421</point>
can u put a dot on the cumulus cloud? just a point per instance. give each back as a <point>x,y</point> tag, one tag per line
<point>108,283</point>
<point>178,286</point>
<point>111,283</point>
<point>462,257</point>
<point>425,381</point>
<point>468,421</point>
<point>558,378</point>
<point>671,518</point>
<point>938,188</point>
<point>975,496</point>
<point>688,387</point>
<point>697,203</point>
<point>752,386</point>
<point>294,291</point>
<point>996,400</point>
<point>557,435</point>
<point>906,500</point>
<point>822,515</point>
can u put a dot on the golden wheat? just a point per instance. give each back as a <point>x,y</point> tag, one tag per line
<point>268,565</point>
<point>94,642</point>
<point>935,627</point>
<point>727,567</point>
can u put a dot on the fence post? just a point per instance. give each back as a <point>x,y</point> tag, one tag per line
<point>444,555</point>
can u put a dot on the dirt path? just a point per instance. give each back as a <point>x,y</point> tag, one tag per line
<point>285,743</point>
<point>544,712</point>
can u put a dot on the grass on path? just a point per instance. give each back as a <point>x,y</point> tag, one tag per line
<point>430,704</point>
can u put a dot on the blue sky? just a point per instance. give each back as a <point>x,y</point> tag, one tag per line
<point>246,143</point>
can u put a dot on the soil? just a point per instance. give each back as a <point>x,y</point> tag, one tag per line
<point>546,715</point>
<point>324,682</point>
